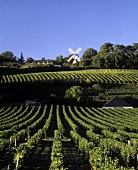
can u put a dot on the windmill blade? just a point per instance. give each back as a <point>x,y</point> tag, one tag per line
<point>71,51</point>
<point>77,58</point>
<point>78,50</point>
<point>72,57</point>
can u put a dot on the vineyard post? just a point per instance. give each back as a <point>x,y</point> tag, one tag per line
<point>17,163</point>
<point>15,143</point>
<point>137,160</point>
<point>128,142</point>
<point>28,132</point>
<point>45,133</point>
<point>10,143</point>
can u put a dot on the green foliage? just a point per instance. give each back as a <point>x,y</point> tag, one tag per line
<point>7,56</point>
<point>30,59</point>
<point>89,53</point>
<point>109,56</point>
<point>87,57</point>
<point>117,56</point>
<point>75,92</point>
<point>29,65</point>
<point>101,135</point>
<point>21,59</point>
<point>97,87</point>
<point>56,154</point>
<point>59,60</point>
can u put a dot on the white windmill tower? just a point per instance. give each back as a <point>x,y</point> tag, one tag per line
<point>74,55</point>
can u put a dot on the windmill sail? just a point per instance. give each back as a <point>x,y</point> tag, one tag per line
<point>72,57</point>
<point>71,51</point>
<point>78,50</point>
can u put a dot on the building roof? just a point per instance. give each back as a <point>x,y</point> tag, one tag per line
<point>133,102</point>
<point>43,61</point>
<point>117,102</point>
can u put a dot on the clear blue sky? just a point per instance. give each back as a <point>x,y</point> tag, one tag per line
<point>47,28</point>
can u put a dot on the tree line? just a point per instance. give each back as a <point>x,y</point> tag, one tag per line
<point>109,56</point>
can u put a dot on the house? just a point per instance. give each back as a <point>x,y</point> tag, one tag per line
<point>116,102</point>
<point>44,61</point>
<point>30,103</point>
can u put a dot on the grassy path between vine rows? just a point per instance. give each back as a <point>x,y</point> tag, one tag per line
<point>6,159</point>
<point>40,159</point>
<point>73,160</point>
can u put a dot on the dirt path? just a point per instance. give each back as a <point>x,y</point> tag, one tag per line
<point>6,159</point>
<point>40,159</point>
<point>73,160</point>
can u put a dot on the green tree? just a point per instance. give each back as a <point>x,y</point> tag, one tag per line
<point>135,45</point>
<point>115,56</point>
<point>109,61</point>
<point>106,48</point>
<point>30,59</point>
<point>118,54</point>
<point>129,57</point>
<point>98,61</point>
<point>59,60</point>
<point>75,92</point>
<point>21,59</point>
<point>102,59</point>
<point>43,59</point>
<point>89,53</point>
<point>7,56</point>
<point>87,57</point>
<point>85,62</point>
<point>96,88</point>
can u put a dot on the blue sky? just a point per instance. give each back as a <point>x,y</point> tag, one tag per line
<point>47,28</point>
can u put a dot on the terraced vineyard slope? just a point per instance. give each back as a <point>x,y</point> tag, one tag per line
<point>103,76</point>
<point>73,137</point>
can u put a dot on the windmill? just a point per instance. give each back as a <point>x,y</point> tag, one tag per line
<point>74,56</point>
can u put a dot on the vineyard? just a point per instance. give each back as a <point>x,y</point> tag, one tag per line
<point>68,137</point>
<point>42,85</point>
<point>60,135</point>
<point>102,76</point>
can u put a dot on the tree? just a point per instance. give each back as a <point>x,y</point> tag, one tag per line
<point>59,60</point>
<point>83,62</point>
<point>120,57</point>
<point>43,59</point>
<point>102,59</point>
<point>135,45</point>
<point>30,59</point>
<point>98,61</point>
<point>21,59</point>
<point>106,48</point>
<point>75,92</point>
<point>96,88</point>
<point>7,56</point>
<point>89,53</point>
<point>109,61</point>
<point>87,57</point>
